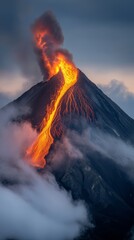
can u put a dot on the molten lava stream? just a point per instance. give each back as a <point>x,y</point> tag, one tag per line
<point>41,146</point>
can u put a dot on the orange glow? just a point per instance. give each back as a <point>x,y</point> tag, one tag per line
<point>55,59</point>
<point>77,105</point>
<point>41,146</point>
<point>53,63</point>
<point>75,102</point>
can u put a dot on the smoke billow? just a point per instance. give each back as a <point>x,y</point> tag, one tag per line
<point>48,39</point>
<point>48,23</point>
<point>32,206</point>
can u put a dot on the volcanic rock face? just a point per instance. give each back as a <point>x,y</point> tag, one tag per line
<point>96,178</point>
<point>84,99</point>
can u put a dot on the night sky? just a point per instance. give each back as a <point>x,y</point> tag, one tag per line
<point>99,34</point>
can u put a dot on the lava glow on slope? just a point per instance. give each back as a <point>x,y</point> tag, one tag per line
<point>48,37</point>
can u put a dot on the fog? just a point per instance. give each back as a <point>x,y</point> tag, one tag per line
<point>32,206</point>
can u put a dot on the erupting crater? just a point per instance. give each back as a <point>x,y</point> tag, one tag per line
<point>47,39</point>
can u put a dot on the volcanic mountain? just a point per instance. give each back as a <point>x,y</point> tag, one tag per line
<point>96,179</point>
<point>63,106</point>
<point>84,99</point>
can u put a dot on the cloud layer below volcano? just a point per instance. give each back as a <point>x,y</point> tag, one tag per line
<point>32,206</point>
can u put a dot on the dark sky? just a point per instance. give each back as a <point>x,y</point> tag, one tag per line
<point>99,33</point>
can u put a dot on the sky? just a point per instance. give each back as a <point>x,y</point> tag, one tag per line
<point>99,34</point>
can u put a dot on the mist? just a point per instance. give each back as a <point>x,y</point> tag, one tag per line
<point>75,146</point>
<point>32,206</point>
<point>119,151</point>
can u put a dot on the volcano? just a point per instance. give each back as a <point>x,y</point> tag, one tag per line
<point>84,99</point>
<point>67,101</point>
<point>97,179</point>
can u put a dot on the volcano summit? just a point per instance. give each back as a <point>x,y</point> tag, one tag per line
<point>81,138</point>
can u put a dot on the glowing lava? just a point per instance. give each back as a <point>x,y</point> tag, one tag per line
<point>48,38</point>
<point>41,146</point>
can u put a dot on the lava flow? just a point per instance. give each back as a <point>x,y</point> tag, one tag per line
<point>48,37</point>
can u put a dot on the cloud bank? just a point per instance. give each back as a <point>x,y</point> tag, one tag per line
<point>77,146</point>
<point>32,206</point>
<point>119,93</point>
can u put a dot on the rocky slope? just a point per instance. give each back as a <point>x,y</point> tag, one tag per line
<point>97,179</point>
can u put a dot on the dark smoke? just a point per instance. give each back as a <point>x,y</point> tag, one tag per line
<point>53,37</point>
<point>48,22</point>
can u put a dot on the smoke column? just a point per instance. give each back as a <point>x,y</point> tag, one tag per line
<point>48,39</point>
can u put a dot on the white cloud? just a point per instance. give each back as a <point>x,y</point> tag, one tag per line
<point>32,206</point>
<point>119,93</point>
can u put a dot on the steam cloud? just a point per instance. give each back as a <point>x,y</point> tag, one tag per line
<point>32,206</point>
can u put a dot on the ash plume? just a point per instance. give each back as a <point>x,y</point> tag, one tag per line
<point>48,39</point>
<point>47,22</point>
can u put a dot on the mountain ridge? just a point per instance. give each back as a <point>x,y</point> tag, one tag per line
<point>96,179</point>
<point>41,95</point>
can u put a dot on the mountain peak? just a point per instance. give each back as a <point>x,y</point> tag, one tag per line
<point>84,99</point>
<point>96,179</point>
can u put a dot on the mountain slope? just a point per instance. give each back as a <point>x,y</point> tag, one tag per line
<point>105,114</point>
<point>96,179</point>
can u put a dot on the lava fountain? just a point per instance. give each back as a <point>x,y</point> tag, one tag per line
<point>47,39</point>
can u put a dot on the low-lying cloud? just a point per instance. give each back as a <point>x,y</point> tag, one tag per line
<point>32,206</point>
<point>119,93</point>
<point>119,151</point>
